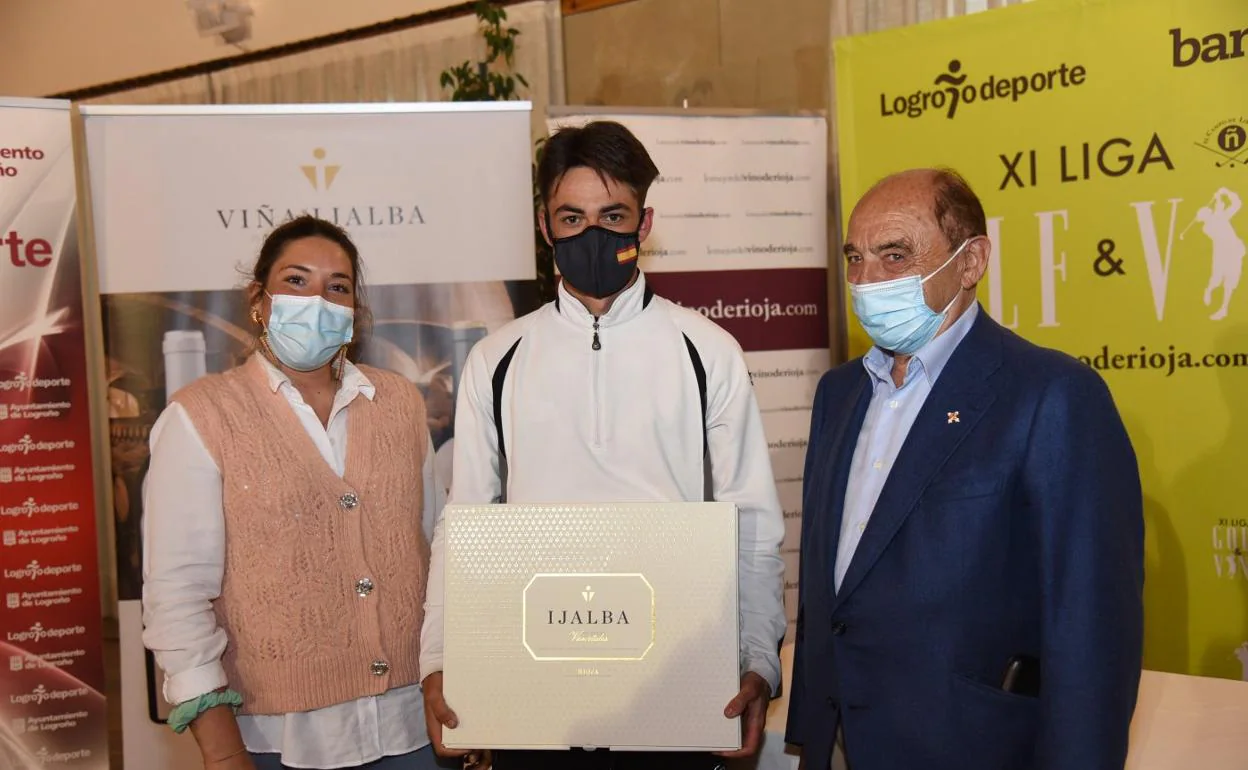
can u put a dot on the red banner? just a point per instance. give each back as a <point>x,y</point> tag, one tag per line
<point>52,710</point>
<point>766,309</point>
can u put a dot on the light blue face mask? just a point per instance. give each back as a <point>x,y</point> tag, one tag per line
<point>894,313</point>
<point>305,332</point>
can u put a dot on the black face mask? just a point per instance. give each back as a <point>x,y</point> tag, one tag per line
<point>597,261</point>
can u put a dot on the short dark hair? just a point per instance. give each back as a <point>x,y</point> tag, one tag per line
<point>605,146</point>
<point>958,210</point>
<point>308,226</point>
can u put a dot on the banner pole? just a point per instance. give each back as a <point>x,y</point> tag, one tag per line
<point>97,370</point>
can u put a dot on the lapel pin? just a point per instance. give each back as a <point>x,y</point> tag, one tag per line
<point>953,417</point>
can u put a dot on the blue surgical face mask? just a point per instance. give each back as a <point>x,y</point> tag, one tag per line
<point>894,313</point>
<point>305,332</point>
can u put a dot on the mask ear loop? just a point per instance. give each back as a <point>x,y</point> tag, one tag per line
<point>340,362</point>
<point>952,257</point>
<point>550,239</point>
<point>956,294</point>
<point>339,367</point>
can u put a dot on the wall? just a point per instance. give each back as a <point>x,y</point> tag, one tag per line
<point>50,46</point>
<point>714,53</point>
<point>771,55</point>
<point>741,54</point>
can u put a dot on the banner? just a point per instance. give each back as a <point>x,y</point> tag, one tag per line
<point>436,196</point>
<point>740,235</point>
<point>52,710</point>
<point>1107,139</point>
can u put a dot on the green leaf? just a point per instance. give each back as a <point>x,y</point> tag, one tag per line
<point>475,81</point>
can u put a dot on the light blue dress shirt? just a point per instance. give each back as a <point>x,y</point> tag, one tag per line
<point>889,417</point>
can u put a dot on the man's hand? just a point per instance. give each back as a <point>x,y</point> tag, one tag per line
<point>437,714</point>
<point>750,704</point>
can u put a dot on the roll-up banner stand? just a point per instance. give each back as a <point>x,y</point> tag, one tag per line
<point>436,196</point>
<point>52,706</point>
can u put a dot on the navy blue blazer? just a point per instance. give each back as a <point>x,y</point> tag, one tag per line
<point>1016,529</point>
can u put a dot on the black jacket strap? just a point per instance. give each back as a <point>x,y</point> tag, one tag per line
<point>699,371</point>
<point>500,376</point>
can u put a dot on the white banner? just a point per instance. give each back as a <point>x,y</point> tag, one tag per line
<point>427,191</point>
<point>52,706</point>
<point>438,198</point>
<point>740,234</point>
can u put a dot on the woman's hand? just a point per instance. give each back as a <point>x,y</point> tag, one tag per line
<point>239,760</point>
<point>220,743</point>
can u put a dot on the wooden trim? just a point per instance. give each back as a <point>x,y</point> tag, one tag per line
<point>564,110</point>
<point>301,46</point>
<point>580,6</point>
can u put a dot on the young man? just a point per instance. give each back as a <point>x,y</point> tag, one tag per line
<point>608,394</point>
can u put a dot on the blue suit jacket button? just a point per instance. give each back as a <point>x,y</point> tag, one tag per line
<point>838,629</point>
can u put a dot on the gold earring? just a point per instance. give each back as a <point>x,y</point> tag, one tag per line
<point>262,339</point>
<point>263,343</point>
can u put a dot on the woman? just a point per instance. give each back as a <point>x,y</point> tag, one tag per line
<point>288,509</point>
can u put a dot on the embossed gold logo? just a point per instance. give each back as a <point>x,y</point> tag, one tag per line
<point>589,617</point>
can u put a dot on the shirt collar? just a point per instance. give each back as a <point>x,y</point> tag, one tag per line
<point>354,381</point>
<point>930,360</point>
<point>627,305</point>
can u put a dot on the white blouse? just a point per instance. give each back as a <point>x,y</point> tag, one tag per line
<point>183,568</point>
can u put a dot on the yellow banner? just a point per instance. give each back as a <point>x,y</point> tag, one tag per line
<point>1108,140</point>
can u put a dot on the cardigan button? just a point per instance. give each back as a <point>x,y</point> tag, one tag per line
<point>364,586</point>
<point>379,668</point>
<point>349,501</point>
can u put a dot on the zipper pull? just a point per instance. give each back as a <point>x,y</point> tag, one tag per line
<point>597,345</point>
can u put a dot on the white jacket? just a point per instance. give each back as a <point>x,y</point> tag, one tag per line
<point>623,423</point>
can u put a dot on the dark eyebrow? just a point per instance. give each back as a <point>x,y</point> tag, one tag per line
<point>614,207</point>
<point>902,245</point>
<point>303,269</point>
<point>570,209</point>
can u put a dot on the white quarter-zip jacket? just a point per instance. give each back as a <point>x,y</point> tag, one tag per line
<point>610,409</point>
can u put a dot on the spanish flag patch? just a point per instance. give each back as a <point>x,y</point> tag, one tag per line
<point>626,254</point>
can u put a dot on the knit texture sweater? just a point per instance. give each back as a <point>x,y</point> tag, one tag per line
<point>324,587</point>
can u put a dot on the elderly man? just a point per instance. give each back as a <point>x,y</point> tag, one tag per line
<point>972,547</point>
